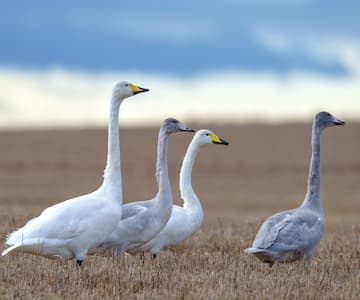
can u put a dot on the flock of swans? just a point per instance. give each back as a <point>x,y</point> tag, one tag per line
<point>99,222</point>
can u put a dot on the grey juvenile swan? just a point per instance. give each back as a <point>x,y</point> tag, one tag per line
<point>68,229</point>
<point>289,235</point>
<point>142,220</point>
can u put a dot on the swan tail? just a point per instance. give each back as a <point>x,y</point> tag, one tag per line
<point>15,237</point>
<point>253,250</point>
<point>8,250</point>
<point>32,246</point>
<point>39,246</point>
<point>262,254</point>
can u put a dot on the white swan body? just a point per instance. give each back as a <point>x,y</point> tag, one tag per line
<point>187,219</point>
<point>142,220</point>
<point>289,235</point>
<point>68,229</point>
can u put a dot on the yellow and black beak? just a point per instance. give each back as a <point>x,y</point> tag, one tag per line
<point>216,140</point>
<point>136,89</point>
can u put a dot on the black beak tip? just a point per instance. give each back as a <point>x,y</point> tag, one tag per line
<point>187,129</point>
<point>226,143</point>
<point>222,142</point>
<point>142,90</point>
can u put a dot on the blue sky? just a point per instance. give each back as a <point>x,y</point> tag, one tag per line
<point>183,39</point>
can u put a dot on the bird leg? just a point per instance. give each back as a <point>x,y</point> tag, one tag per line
<point>142,257</point>
<point>78,263</point>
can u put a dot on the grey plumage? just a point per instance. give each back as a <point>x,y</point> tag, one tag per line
<point>142,220</point>
<point>292,234</point>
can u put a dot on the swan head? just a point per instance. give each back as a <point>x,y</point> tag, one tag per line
<point>205,136</point>
<point>172,125</point>
<point>325,119</point>
<point>125,89</point>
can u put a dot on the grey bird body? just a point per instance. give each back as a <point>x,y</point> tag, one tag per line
<point>142,220</point>
<point>185,220</point>
<point>292,234</point>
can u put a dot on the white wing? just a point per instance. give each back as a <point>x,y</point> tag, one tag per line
<point>62,221</point>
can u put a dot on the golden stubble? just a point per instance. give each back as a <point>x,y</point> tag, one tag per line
<point>262,171</point>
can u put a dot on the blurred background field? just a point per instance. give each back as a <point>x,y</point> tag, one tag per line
<point>263,170</point>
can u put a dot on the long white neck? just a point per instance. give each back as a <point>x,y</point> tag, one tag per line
<point>186,190</point>
<point>162,176</point>
<point>313,194</point>
<point>112,175</point>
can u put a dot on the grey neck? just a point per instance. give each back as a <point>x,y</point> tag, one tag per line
<point>162,176</point>
<point>313,194</point>
<point>186,190</point>
<point>112,173</point>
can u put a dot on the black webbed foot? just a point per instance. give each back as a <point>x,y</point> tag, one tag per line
<point>78,263</point>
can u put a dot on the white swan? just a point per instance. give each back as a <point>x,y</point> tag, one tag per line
<point>68,229</point>
<point>184,220</point>
<point>142,220</point>
<point>289,235</point>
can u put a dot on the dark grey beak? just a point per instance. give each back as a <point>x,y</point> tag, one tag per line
<point>222,142</point>
<point>188,129</point>
<point>339,122</point>
<point>183,127</point>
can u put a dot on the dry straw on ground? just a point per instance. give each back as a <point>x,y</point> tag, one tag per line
<point>262,171</point>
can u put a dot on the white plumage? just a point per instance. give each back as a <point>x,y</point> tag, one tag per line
<point>142,220</point>
<point>68,229</point>
<point>184,220</point>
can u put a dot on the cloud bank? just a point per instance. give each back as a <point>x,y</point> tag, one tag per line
<point>62,98</point>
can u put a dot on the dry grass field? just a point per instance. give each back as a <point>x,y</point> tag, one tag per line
<point>263,170</point>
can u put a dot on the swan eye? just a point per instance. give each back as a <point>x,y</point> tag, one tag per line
<point>328,114</point>
<point>126,84</point>
<point>207,134</point>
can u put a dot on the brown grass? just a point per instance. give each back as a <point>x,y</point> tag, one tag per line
<point>263,170</point>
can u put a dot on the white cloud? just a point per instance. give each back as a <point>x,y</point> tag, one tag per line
<point>324,48</point>
<point>66,98</point>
